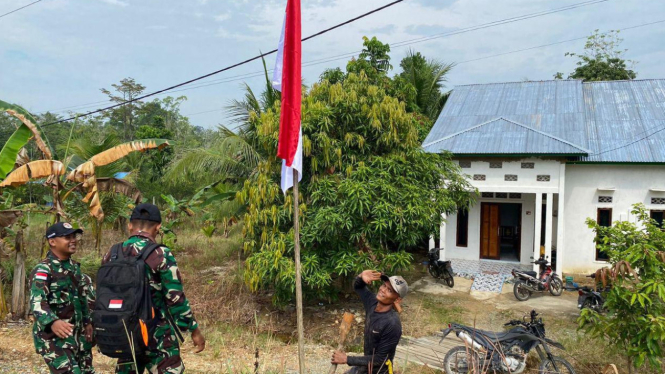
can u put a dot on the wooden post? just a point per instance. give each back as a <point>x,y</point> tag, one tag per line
<point>296,240</point>
<point>18,290</point>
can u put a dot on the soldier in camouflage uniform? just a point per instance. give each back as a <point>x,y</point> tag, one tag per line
<point>85,353</point>
<point>173,310</point>
<point>61,315</point>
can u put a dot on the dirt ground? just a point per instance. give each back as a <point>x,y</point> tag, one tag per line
<point>232,347</point>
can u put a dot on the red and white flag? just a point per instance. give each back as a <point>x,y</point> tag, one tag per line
<point>287,79</point>
<point>41,275</point>
<point>115,304</point>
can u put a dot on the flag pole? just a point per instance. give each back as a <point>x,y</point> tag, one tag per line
<point>296,240</point>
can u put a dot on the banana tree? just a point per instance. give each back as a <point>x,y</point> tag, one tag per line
<point>27,131</point>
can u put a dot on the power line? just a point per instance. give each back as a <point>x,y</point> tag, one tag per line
<point>346,55</point>
<point>16,10</point>
<point>229,67</point>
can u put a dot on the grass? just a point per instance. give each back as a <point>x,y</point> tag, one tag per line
<point>237,323</point>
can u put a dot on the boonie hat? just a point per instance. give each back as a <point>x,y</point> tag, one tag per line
<point>399,284</point>
<point>146,212</point>
<point>61,229</point>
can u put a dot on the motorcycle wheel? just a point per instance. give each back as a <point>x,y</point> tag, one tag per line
<point>434,271</point>
<point>450,281</point>
<point>520,291</point>
<point>562,366</point>
<point>461,360</point>
<point>588,304</point>
<point>556,287</point>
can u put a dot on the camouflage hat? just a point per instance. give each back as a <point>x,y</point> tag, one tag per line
<point>399,284</point>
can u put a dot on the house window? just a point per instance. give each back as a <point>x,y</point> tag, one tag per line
<point>604,220</point>
<point>479,177</point>
<point>604,199</point>
<point>528,165</point>
<point>510,178</point>
<point>462,227</point>
<point>496,165</point>
<point>501,195</point>
<point>658,200</point>
<point>465,164</point>
<point>487,194</point>
<point>515,195</point>
<point>543,178</point>
<point>658,215</point>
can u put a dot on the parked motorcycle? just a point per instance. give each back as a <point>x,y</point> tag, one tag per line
<point>440,269</point>
<point>526,282</point>
<point>589,298</point>
<point>503,352</point>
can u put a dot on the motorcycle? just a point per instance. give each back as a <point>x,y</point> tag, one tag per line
<point>589,298</point>
<point>440,269</point>
<point>503,352</point>
<point>526,282</point>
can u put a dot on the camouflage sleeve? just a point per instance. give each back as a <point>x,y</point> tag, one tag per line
<point>87,294</point>
<point>39,288</point>
<point>176,301</point>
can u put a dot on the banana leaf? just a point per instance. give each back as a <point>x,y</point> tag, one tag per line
<point>28,130</point>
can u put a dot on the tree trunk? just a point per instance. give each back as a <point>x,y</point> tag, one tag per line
<point>3,302</point>
<point>18,291</point>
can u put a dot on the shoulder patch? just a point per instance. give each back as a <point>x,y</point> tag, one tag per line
<point>41,275</point>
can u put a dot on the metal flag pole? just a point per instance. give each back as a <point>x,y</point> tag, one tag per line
<point>296,240</point>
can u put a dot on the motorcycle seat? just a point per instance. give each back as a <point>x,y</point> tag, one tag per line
<point>494,336</point>
<point>531,273</point>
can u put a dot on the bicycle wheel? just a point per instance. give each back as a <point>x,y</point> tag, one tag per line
<point>562,366</point>
<point>461,360</point>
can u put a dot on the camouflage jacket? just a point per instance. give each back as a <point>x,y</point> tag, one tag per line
<point>88,296</point>
<point>165,285</point>
<point>55,293</point>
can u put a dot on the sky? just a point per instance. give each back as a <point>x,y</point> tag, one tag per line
<point>56,55</point>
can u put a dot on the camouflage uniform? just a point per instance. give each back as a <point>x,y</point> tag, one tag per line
<point>85,353</point>
<point>55,293</point>
<point>163,355</point>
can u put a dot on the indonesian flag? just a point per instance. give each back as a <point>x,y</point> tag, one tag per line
<point>115,304</point>
<point>41,276</point>
<point>287,79</point>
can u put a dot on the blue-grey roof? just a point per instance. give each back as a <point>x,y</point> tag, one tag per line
<point>618,121</point>
<point>503,136</point>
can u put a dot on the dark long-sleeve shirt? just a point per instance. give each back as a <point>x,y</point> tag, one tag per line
<point>382,333</point>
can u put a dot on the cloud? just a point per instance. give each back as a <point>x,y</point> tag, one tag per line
<point>222,17</point>
<point>116,2</point>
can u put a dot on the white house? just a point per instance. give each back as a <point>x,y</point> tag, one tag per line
<point>544,157</point>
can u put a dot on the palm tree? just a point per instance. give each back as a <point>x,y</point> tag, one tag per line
<point>235,153</point>
<point>428,78</point>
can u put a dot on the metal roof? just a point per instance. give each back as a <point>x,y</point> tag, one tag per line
<point>617,121</point>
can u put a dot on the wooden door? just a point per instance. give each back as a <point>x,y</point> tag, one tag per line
<point>489,231</point>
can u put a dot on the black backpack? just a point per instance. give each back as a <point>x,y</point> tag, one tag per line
<point>124,317</point>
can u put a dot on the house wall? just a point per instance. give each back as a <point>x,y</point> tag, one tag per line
<point>472,250</point>
<point>527,184</point>
<point>632,184</point>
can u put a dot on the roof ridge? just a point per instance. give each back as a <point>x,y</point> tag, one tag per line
<point>513,122</point>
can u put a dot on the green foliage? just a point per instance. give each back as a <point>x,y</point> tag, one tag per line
<point>427,77</point>
<point>602,59</point>
<point>635,322</point>
<point>368,191</point>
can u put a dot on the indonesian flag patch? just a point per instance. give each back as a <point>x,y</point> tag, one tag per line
<point>41,276</point>
<point>115,304</point>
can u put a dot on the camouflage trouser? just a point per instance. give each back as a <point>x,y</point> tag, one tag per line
<point>85,361</point>
<point>162,359</point>
<point>62,361</point>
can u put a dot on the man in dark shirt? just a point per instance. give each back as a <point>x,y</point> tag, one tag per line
<point>383,328</point>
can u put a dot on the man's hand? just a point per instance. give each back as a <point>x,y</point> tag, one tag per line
<point>370,276</point>
<point>88,333</point>
<point>338,358</point>
<point>62,329</point>
<point>198,340</point>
